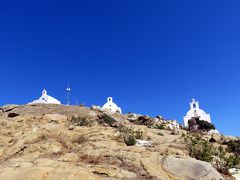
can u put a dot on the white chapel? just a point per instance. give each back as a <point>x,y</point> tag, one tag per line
<point>45,99</point>
<point>111,106</point>
<point>196,112</point>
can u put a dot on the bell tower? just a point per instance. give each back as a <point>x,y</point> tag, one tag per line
<point>194,104</point>
<point>110,99</point>
<point>44,92</point>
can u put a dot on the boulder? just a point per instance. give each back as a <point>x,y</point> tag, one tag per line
<point>178,167</point>
<point>154,168</point>
<point>143,142</point>
<point>132,117</point>
<point>9,107</point>
<point>217,137</point>
<point>160,117</point>
<point>57,118</point>
<point>144,120</point>
<point>235,172</point>
<point>94,107</point>
<point>190,168</point>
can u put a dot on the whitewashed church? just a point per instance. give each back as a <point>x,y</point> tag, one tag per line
<point>45,99</point>
<point>196,112</point>
<point>111,106</point>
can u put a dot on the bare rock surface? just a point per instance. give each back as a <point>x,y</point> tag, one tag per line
<point>45,142</point>
<point>190,168</point>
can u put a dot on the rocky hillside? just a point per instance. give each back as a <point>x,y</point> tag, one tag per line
<point>73,142</point>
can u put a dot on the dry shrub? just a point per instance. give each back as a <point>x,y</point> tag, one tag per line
<point>81,121</point>
<point>79,139</point>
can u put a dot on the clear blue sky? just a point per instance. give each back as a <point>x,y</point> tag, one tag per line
<point>152,57</point>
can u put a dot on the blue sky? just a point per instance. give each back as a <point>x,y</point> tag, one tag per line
<point>152,57</point>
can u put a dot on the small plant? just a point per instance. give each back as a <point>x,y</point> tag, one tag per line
<point>130,140</point>
<point>221,152</point>
<point>81,121</point>
<point>108,119</point>
<point>138,134</point>
<point>129,136</point>
<point>161,126</point>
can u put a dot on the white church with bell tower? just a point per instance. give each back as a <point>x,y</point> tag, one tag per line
<point>111,106</point>
<point>45,99</point>
<point>196,112</point>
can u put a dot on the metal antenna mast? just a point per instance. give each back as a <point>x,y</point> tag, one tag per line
<point>68,89</point>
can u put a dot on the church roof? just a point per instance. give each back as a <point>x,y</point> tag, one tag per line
<point>46,99</point>
<point>110,105</point>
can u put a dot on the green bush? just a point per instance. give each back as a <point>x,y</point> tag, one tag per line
<point>129,135</point>
<point>161,126</point>
<point>108,119</point>
<point>232,161</point>
<point>221,152</point>
<point>199,148</point>
<point>130,140</point>
<point>233,146</point>
<point>138,134</point>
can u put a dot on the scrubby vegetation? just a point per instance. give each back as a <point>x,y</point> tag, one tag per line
<point>234,146</point>
<point>138,134</point>
<point>232,161</point>
<point>160,126</point>
<point>109,120</point>
<point>221,158</point>
<point>81,121</point>
<point>199,148</point>
<point>129,135</point>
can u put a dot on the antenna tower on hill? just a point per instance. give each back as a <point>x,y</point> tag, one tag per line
<point>68,89</point>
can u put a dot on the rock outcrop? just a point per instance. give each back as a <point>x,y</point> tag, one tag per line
<point>43,142</point>
<point>189,168</point>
